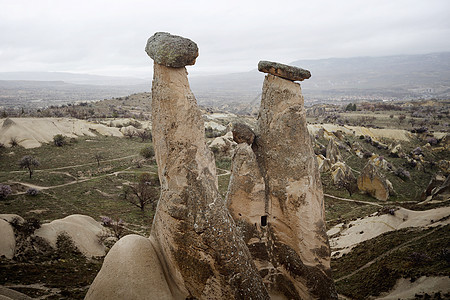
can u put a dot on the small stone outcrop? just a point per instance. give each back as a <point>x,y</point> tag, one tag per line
<point>242,133</point>
<point>275,196</point>
<point>332,152</point>
<point>132,254</point>
<point>223,144</point>
<point>83,231</point>
<point>284,71</point>
<point>8,240</point>
<point>397,151</point>
<point>342,174</point>
<point>9,294</point>
<point>374,183</point>
<point>171,50</point>
<point>438,188</point>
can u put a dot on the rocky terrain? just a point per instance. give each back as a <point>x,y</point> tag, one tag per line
<point>353,204</point>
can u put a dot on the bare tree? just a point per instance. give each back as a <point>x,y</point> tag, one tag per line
<point>145,134</point>
<point>129,133</point>
<point>98,157</point>
<point>144,192</point>
<point>28,162</point>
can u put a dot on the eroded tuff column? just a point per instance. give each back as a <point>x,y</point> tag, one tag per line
<point>195,250</point>
<point>288,239</point>
<point>196,236</point>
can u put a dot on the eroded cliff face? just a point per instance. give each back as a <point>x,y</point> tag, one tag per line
<point>276,198</point>
<point>198,239</point>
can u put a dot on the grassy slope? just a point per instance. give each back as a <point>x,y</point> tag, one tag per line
<point>92,191</point>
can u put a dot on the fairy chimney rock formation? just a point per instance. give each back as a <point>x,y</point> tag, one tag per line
<point>275,196</point>
<point>284,71</point>
<point>200,251</point>
<point>171,50</point>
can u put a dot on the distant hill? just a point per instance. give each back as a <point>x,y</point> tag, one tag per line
<point>74,78</point>
<point>344,79</point>
<point>401,77</point>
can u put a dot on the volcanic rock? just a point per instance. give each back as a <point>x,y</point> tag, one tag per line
<point>196,241</point>
<point>332,152</point>
<point>83,230</point>
<point>438,188</point>
<point>9,294</point>
<point>277,200</point>
<point>8,240</point>
<point>374,183</point>
<point>133,254</point>
<point>171,50</point>
<point>342,174</point>
<point>223,144</point>
<point>242,133</point>
<point>191,210</point>
<point>284,71</point>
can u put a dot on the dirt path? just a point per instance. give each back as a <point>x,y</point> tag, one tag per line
<point>76,166</point>
<point>30,185</point>
<point>376,259</point>
<point>224,174</point>
<point>351,200</point>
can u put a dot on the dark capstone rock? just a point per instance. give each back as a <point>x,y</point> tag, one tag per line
<point>171,50</point>
<point>243,133</point>
<point>283,71</point>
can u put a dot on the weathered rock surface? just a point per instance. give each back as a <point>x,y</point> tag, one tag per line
<point>171,50</point>
<point>438,188</point>
<point>397,151</point>
<point>199,247</point>
<point>324,163</point>
<point>191,210</point>
<point>242,133</point>
<point>132,255</point>
<point>332,152</point>
<point>83,230</point>
<point>342,174</point>
<point>223,144</point>
<point>284,71</point>
<point>7,240</point>
<point>374,183</point>
<point>276,198</point>
<point>9,294</point>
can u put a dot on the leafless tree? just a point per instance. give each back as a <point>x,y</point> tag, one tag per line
<point>145,191</point>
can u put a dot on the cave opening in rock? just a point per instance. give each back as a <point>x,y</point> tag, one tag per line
<point>263,220</point>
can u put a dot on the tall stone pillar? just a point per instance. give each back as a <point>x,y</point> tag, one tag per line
<point>278,178</point>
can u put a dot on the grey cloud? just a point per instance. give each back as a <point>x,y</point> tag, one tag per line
<point>108,37</point>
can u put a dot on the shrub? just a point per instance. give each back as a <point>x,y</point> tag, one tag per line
<point>26,228</point>
<point>144,135</point>
<point>5,190</point>
<point>367,154</point>
<point>32,192</point>
<point>136,124</point>
<point>14,142</point>
<point>147,152</point>
<point>417,151</point>
<point>402,173</point>
<point>59,140</point>
<point>432,141</point>
<point>116,226</point>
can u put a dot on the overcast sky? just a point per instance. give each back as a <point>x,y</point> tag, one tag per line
<point>108,37</point>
